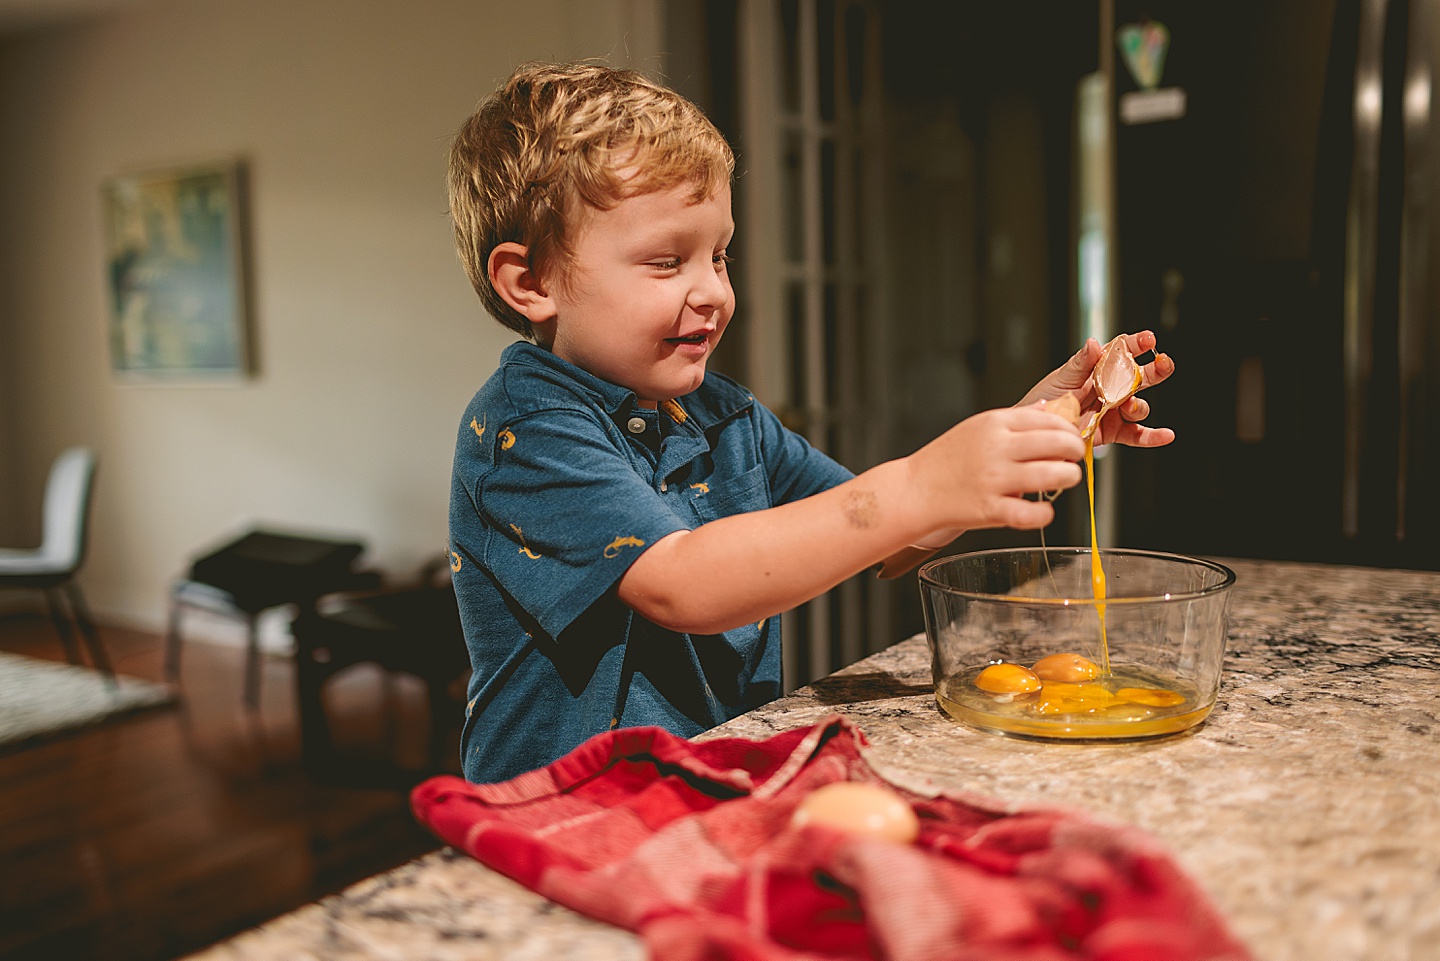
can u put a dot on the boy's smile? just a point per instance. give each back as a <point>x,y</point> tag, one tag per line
<point>648,295</point>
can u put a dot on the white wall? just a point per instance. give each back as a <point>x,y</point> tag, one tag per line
<point>370,340</point>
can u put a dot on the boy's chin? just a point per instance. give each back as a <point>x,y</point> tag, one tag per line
<point>680,386</point>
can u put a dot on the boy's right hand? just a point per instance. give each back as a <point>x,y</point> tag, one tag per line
<point>976,474</point>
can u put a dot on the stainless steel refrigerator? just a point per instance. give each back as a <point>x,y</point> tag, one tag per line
<point>1280,237</point>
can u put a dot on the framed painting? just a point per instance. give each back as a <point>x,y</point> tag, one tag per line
<point>177,276</point>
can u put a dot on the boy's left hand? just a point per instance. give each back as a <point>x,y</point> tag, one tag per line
<point>1120,425</point>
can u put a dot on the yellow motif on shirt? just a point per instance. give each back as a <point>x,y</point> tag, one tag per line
<point>524,547</point>
<point>613,548</point>
<point>454,561</point>
<point>700,488</point>
<point>507,439</point>
<point>676,412</point>
<point>479,428</point>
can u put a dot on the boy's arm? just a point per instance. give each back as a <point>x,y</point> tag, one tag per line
<point>740,569</point>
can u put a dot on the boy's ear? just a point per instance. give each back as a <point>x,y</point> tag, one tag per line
<point>517,284</point>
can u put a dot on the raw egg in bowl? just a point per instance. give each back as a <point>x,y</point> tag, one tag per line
<point>1020,644</point>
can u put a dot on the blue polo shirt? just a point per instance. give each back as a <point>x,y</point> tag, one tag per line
<point>561,481</point>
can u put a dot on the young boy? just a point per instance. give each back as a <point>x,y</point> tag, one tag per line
<point>626,528</point>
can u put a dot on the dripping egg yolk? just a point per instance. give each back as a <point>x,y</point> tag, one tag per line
<point>1007,678</point>
<point>1065,667</point>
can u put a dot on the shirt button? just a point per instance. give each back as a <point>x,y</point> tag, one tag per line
<point>636,425</point>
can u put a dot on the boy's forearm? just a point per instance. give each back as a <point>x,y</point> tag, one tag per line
<point>740,569</point>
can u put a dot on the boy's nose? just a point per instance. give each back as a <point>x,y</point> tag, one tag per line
<point>710,291</point>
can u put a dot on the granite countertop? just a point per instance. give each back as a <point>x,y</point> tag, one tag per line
<point>1307,805</point>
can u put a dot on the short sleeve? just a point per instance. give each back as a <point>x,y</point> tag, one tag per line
<point>796,468</point>
<point>565,514</point>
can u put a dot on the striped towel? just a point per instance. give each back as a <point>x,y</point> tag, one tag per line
<point>690,845</point>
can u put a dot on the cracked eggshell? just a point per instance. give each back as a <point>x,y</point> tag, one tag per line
<point>1067,405</point>
<point>1117,376</point>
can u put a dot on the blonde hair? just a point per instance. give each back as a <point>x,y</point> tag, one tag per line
<point>556,138</point>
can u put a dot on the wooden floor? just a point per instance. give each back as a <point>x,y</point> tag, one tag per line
<point>156,835</point>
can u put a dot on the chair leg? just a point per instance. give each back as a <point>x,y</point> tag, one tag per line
<point>252,665</point>
<point>312,667</point>
<point>63,627</point>
<point>92,638</point>
<point>172,642</point>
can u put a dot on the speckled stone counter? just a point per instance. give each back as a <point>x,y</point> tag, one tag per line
<point>1308,804</point>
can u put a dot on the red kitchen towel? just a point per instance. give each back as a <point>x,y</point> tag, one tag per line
<point>690,845</point>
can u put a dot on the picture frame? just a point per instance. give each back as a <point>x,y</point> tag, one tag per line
<point>177,273</point>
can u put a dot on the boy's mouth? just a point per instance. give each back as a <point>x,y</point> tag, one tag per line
<point>696,338</point>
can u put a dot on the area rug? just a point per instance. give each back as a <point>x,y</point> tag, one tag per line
<point>41,700</point>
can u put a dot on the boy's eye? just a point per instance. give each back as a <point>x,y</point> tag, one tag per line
<point>671,264</point>
<point>722,258</point>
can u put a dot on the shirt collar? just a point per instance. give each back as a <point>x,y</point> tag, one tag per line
<point>716,399</point>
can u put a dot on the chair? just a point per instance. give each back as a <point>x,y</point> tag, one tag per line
<point>261,570</point>
<point>414,630</point>
<point>52,566</point>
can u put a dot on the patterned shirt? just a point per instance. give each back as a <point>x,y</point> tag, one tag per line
<point>561,481</point>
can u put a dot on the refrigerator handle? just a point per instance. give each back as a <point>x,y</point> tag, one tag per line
<point>1361,227</point>
<point>1414,245</point>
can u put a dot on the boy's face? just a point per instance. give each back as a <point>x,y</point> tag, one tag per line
<point>648,295</point>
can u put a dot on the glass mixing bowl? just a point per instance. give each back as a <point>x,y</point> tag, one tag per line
<point>1143,662</point>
